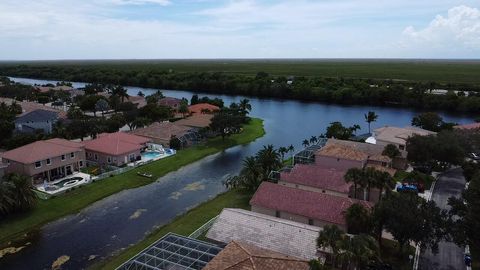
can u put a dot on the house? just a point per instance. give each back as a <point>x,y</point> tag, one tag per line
<point>137,100</point>
<point>196,121</point>
<point>43,120</point>
<point>242,256</point>
<point>398,136</point>
<point>28,106</point>
<point>472,126</point>
<point>115,149</point>
<point>315,177</point>
<point>308,207</point>
<point>202,108</point>
<point>46,160</point>
<point>162,132</point>
<point>272,233</point>
<point>173,103</point>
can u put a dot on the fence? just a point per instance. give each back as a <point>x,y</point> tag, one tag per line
<point>203,228</point>
<point>121,170</point>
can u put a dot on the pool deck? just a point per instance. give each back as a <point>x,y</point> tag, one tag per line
<point>147,160</point>
<point>85,180</point>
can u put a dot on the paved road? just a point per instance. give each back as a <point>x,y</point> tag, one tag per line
<point>450,256</point>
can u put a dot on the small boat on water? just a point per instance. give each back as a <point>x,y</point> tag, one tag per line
<point>145,174</point>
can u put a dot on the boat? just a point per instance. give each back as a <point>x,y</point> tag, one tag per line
<point>145,174</point>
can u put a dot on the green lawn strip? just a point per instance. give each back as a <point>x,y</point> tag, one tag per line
<point>74,201</point>
<point>184,225</point>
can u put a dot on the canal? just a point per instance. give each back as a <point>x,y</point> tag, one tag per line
<point>123,219</point>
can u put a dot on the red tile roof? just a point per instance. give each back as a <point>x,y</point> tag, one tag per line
<point>197,108</point>
<point>41,150</point>
<point>468,126</point>
<point>116,143</point>
<point>314,205</point>
<point>315,175</point>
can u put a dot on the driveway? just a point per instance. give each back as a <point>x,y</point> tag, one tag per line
<point>450,256</point>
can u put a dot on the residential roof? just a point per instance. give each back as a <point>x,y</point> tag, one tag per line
<point>276,234</point>
<point>39,115</point>
<point>468,126</point>
<point>197,108</point>
<point>162,131</point>
<point>28,106</point>
<point>138,100</point>
<point>355,150</point>
<point>169,101</point>
<point>399,135</point>
<point>116,143</point>
<point>41,150</point>
<point>243,256</point>
<point>314,205</point>
<point>342,151</point>
<point>315,175</point>
<point>196,121</point>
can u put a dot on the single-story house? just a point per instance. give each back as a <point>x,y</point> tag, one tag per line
<point>203,108</point>
<point>162,132</point>
<point>272,233</point>
<point>46,160</point>
<point>308,207</point>
<point>196,121</point>
<point>242,256</point>
<point>115,149</point>
<point>398,136</point>
<point>40,119</point>
<point>315,177</point>
<point>173,103</point>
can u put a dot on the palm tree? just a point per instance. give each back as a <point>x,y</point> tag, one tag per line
<point>330,238</point>
<point>269,159</point>
<point>358,250</point>
<point>369,118</point>
<point>306,143</point>
<point>121,92</point>
<point>245,106</point>
<point>358,219</point>
<point>313,140</point>
<point>7,200</point>
<point>282,151</point>
<point>25,197</point>
<point>354,175</point>
<point>292,149</point>
<point>383,181</point>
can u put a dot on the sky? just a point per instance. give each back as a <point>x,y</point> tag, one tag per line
<point>184,29</point>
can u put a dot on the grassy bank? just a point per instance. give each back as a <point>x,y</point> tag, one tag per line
<point>80,198</point>
<point>183,225</point>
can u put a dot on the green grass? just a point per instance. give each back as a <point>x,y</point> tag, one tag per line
<point>74,201</point>
<point>183,225</point>
<point>458,71</point>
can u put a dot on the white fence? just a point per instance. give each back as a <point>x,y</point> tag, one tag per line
<point>203,228</point>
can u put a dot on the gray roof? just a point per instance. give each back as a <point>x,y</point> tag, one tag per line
<point>280,235</point>
<point>37,116</point>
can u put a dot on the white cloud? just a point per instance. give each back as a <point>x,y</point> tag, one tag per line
<point>461,27</point>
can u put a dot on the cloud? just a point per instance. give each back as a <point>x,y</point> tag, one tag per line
<point>460,27</point>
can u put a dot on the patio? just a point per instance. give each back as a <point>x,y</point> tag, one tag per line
<point>64,184</point>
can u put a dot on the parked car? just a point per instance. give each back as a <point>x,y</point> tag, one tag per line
<point>420,186</point>
<point>405,187</point>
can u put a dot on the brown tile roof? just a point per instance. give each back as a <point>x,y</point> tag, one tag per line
<point>161,132</point>
<point>342,151</point>
<point>355,150</point>
<point>196,120</point>
<point>197,108</point>
<point>169,101</point>
<point>243,256</point>
<point>314,205</point>
<point>315,175</point>
<point>41,150</point>
<point>468,126</point>
<point>399,135</point>
<point>116,143</point>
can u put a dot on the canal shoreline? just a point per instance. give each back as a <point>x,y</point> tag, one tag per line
<point>17,229</point>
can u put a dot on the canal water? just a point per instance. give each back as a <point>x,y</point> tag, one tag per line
<point>123,219</point>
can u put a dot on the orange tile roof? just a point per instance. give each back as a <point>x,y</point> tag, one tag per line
<point>197,108</point>
<point>162,131</point>
<point>116,143</point>
<point>342,151</point>
<point>196,120</point>
<point>242,256</point>
<point>41,150</point>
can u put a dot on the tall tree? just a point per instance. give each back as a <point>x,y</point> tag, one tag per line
<point>358,219</point>
<point>369,118</point>
<point>428,120</point>
<point>330,238</point>
<point>391,151</point>
<point>355,176</point>
<point>306,143</point>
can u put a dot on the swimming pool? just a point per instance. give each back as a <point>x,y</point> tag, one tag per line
<point>150,155</point>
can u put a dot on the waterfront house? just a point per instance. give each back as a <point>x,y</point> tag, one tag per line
<point>243,256</point>
<point>308,207</point>
<point>398,136</point>
<point>115,149</point>
<point>197,121</point>
<point>46,160</point>
<point>162,132</point>
<point>37,120</point>
<point>297,239</point>
<point>203,108</point>
<point>173,103</point>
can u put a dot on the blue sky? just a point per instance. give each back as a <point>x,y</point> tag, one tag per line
<point>138,29</point>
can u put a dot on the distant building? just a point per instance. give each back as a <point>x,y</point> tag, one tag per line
<point>398,136</point>
<point>196,121</point>
<point>173,103</point>
<point>162,132</point>
<point>445,91</point>
<point>202,108</point>
<point>46,160</point>
<point>36,120</point>
<point>115,149</point>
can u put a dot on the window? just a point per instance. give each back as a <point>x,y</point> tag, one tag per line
<point>402,147</point>
<point>310,222</point>
<point>89,155</point>
<point>80,163</point>
<point>63,157</point>
<point>49,162</point>
<point>109,159</point>
<point>72,155</point>
<point>95,156</point>
<point>38,164</point>
<point>277,213</point>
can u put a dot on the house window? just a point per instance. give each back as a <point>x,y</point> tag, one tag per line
<point>310,221</point>
<point>109,159</point>
<point>277,213</point>
<point>72,155</point>
<point>49,161</point>
<point>63,157</point>
<point>95,156</point>
<point>89,155</point>
<point>402,147</point>
<point>38,164</point>
<point>80,163</point>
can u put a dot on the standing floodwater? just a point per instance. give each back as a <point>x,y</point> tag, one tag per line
<point>124,218</point>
